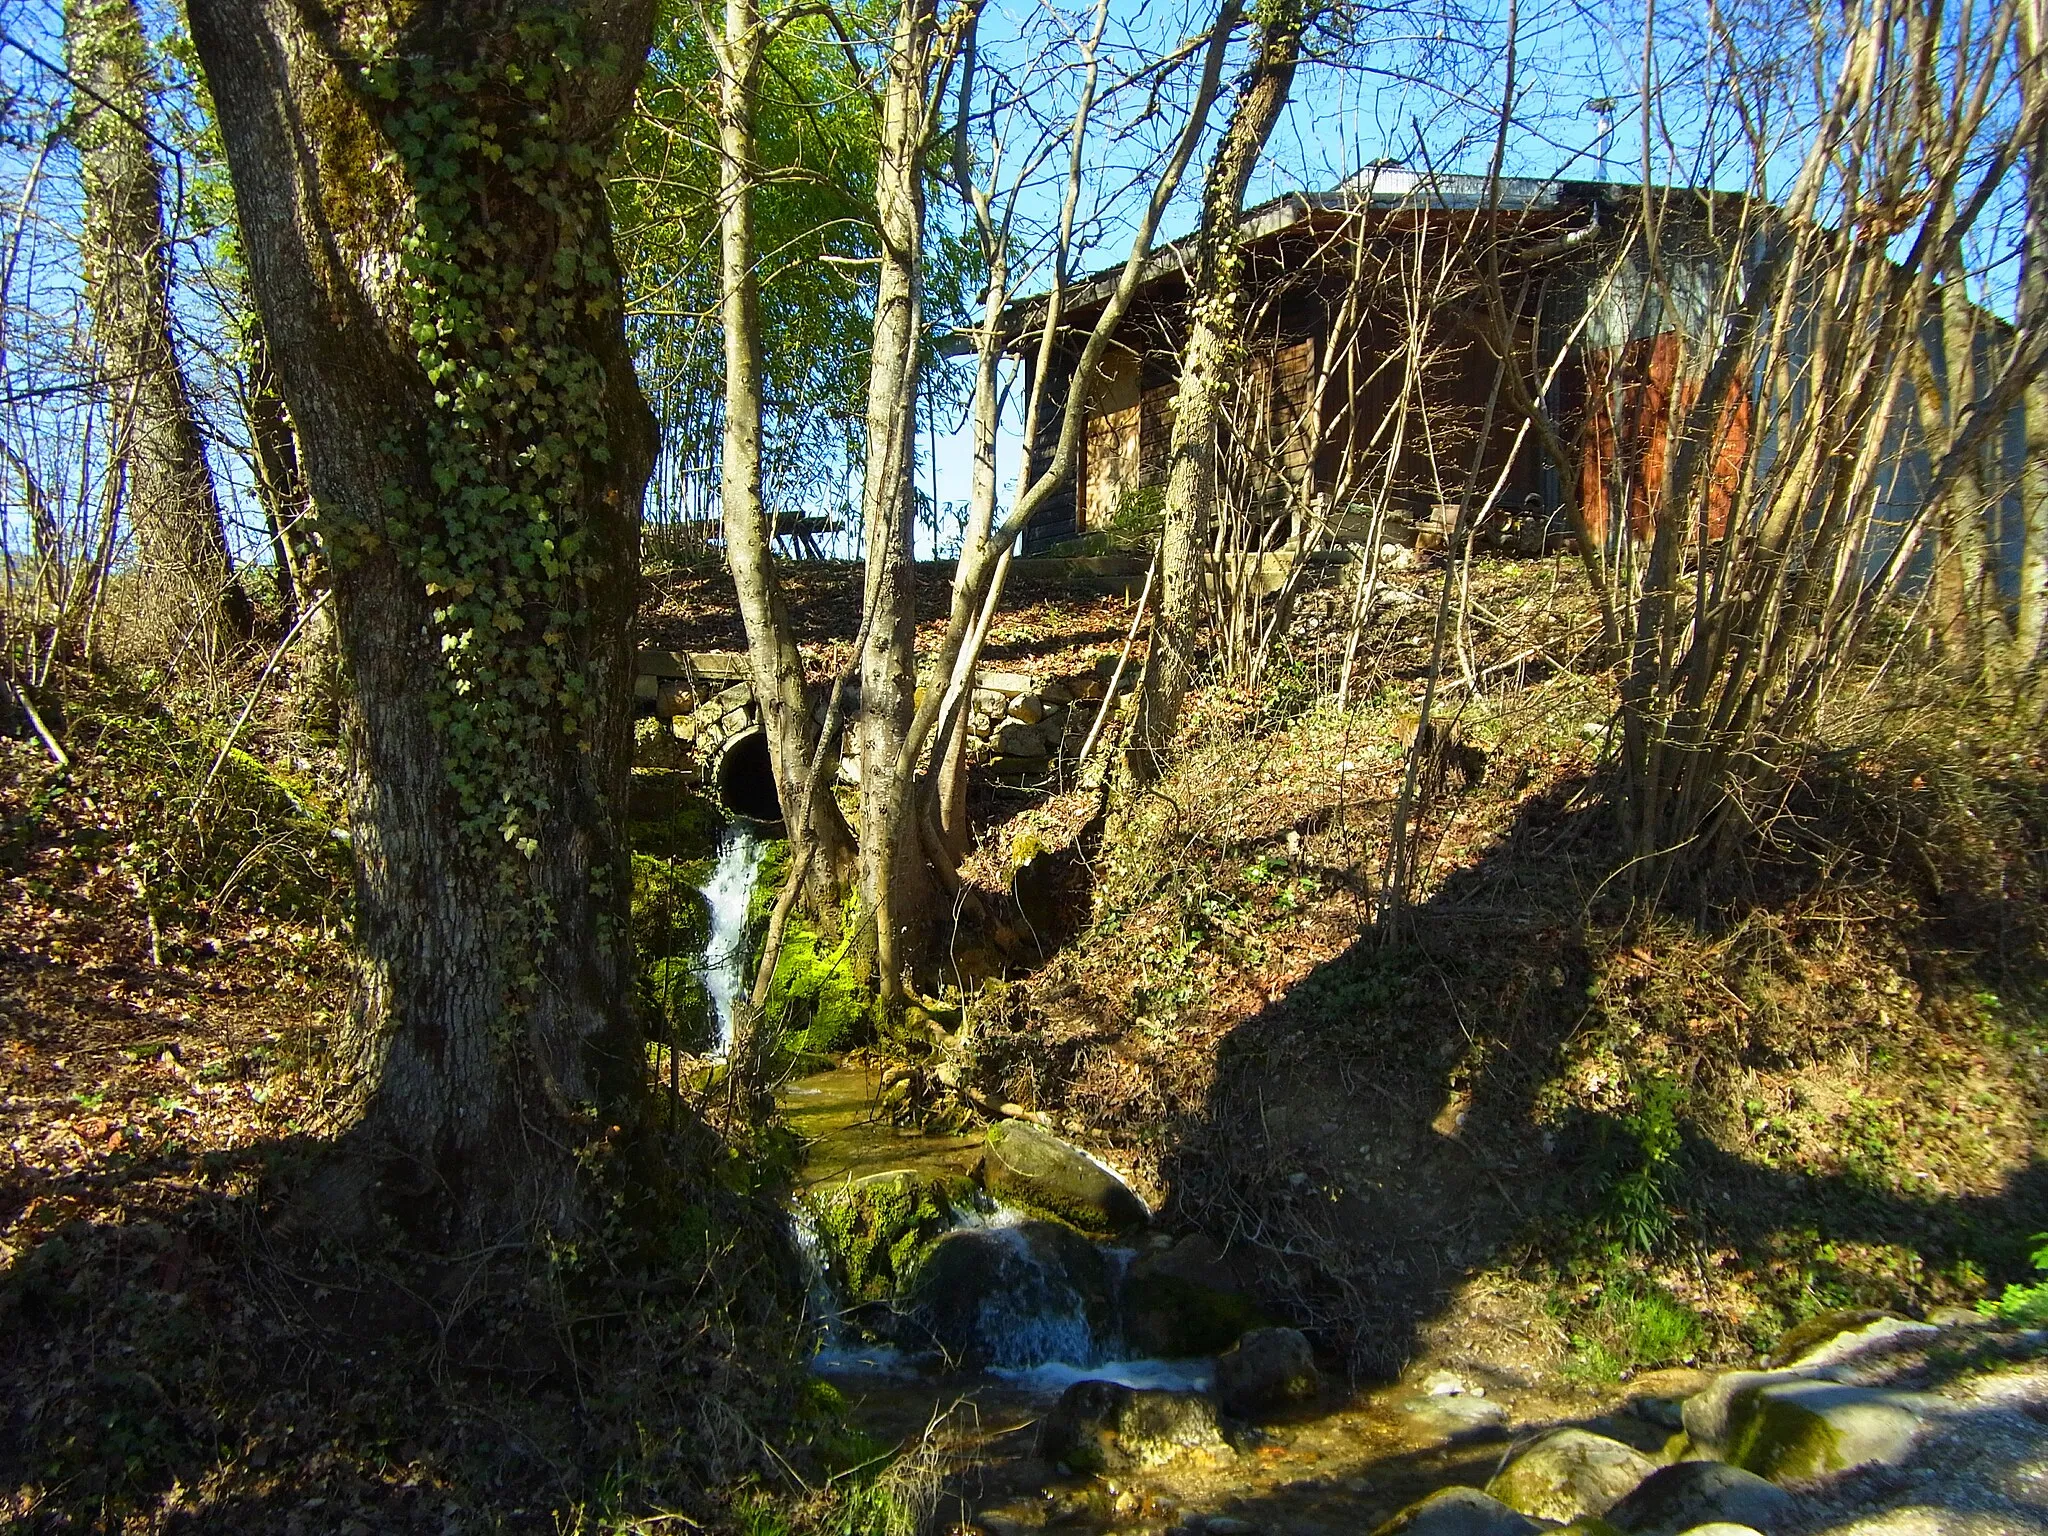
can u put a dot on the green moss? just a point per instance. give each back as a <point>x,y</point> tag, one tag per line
<point>671,927</point>
<point>876,1231</point>
<point>690,831</point>
<point>820,1001</point>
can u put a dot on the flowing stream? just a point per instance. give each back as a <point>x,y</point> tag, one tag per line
<point>741,848</point>
<point>1343,1463</point>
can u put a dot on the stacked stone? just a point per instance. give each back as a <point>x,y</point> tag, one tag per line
<point>1018,727</point>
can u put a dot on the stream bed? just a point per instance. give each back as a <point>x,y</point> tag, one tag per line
<point>1343,1462</point>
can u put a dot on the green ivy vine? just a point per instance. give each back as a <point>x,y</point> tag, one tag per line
<point>499,303</point>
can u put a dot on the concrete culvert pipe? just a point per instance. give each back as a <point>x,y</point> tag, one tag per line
<point>744,778</point>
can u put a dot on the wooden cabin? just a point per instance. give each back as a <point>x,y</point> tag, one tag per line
<point>1395,276</point>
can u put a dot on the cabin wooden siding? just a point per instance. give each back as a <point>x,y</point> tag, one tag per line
<point>1624,438</point>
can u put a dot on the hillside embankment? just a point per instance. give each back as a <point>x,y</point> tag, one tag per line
<point>1542,1120</point>
<point>1542,1105</point>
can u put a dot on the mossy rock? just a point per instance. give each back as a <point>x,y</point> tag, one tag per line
<point>819,1001</point>
<point>1803,1339</point>
<point>671,821</point>
<point>1014,1296</point>
<point>876,1231</point>
<point>1459,1512</point>
<point>1801,1429</point>
<point>1103,1426</point>
<point>1675,1499</point>
<point>671,916</point>
<point>1170,1316</point>
<point>674,1005</point>
<point>1568,1474</point>
<point>1034,1168</point>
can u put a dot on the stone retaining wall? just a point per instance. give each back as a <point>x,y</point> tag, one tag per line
<point>1019,723</point>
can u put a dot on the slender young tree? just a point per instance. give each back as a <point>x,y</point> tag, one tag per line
<point>1215,302</point>
<point>895,881</point>
<point>421,195</point>
<point>194,606</point>
<point>777,665</point>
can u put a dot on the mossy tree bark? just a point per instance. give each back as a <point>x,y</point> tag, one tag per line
<point>420,190</point>
<point>1214,303</point>
<point>193,608</point>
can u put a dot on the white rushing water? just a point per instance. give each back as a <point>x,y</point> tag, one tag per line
<point>731,888</point>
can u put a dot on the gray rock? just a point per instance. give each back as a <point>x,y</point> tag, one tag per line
<point>1100,1426</point>
<point>1800,1429</point>
<point>1458,1512</point>
<point>1267,1369</point>
<point>1706,1412</point>
<point>1675,1499</point>
<point>1845,1344</point>
<point>1009,1296</point>
<point>1569,1473</point>
<point>1035,1168</point>
<point>1184,1301</point>
<point>1014,739</point>
<point>1458,1417</point>
<point>1803,1338</point>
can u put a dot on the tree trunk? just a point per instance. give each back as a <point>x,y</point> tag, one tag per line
<point>2030,628</point>
<point>192,605</point>
<point>423,205</point>
<point>895,876</point>
<point>772,653</point>
<point>288,510</point>
<point>1215,298</point>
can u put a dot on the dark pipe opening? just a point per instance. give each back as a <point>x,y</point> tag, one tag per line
<point>745,778</point>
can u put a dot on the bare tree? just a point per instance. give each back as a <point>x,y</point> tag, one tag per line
<point>1770,554</point>
<point>773,657</point>
<point>1215,302</point>
<point>192,597</point>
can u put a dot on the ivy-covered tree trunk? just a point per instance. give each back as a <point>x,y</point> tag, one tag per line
<point>192,605</point>
<point>1215,299</point>
<point>420,190</point>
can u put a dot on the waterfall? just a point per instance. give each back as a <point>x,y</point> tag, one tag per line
<point>730,892</point>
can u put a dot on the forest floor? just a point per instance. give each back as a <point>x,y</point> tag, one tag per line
<point>1559,1123</point>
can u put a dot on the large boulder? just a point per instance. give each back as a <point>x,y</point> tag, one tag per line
<point>1184,1300</point>
<point>1103,1426</point>
<point>1459,1512</point>
<point>1803,1338</point>
<point>1569,1473</point>
<point>1034,1168</point>
<point>874,1230</point>
<point>1837,1346</point>
<point>1679,1498</point>
<point>1708,1414</point>
<point>1796,1429</point>
<point>1267,1369</point>
<point>1010,1296</point>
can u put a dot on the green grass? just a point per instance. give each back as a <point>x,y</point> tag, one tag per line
<point>2024,1304</point>
<point>1634,1326</point>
